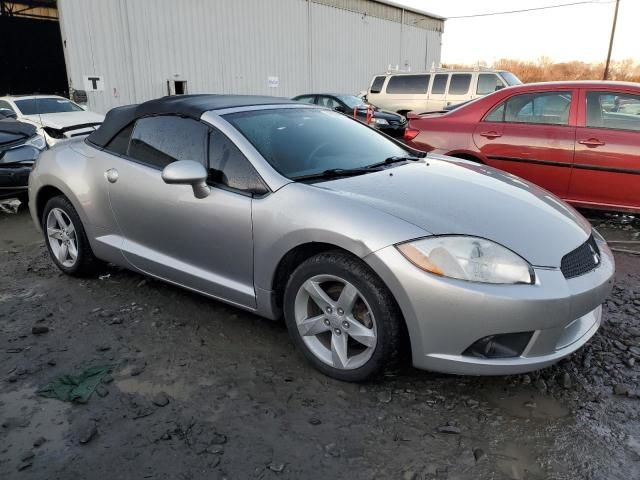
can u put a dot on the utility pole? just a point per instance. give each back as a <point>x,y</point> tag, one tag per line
<point>613,32</point>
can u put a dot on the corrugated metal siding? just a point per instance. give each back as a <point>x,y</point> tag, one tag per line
<point>348,48</point>
<point>231,46</point>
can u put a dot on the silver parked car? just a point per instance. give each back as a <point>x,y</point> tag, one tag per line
<point>371,250</point>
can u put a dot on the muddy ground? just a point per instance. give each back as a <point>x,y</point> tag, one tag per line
<point>243,404</point>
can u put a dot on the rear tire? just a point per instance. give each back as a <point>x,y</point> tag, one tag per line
<point>343,318</point>
<point>66,238</point>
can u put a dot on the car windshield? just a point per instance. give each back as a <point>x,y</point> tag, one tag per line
<point>300,142</point>
<point>352,101</point>
<point>510,78</point>
<point>34,106</point>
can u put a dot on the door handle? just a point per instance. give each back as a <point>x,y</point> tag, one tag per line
<point>111,175</point>
<point>591,142</point>
<point>490,135</point>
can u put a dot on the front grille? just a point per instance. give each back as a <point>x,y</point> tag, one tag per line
<point>581,260</point>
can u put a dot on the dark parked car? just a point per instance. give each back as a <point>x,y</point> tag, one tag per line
<point>20,146</point>
<point>391,123</point>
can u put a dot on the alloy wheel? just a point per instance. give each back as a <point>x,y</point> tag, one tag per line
<point>62,237</point>
<point>335,322</point>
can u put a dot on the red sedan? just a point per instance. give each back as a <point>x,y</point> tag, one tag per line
<point>579,140</point>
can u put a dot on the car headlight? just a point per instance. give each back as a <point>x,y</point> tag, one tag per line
<point>37,141</point>
<point>468,258</point>
<point>380,121</point>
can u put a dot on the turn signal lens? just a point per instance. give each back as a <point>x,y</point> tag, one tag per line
<point>419,259</point>
<point>468,258</point>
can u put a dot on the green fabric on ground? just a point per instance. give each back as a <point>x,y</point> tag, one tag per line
<point>75,388</point>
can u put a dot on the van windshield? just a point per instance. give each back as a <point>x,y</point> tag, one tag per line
<point>510,78</point>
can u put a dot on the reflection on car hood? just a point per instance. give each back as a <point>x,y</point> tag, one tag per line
<point>449,196</point>
<point>65,119</point>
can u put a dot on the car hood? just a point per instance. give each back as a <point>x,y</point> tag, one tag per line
<point>443,195</point>
<point>65,119</point>
<point>12,132</point>
<point>386,114</point>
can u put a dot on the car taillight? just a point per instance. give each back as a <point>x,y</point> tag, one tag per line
<point>410,133</point>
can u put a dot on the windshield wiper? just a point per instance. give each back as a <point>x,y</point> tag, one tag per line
<point>394,159</point>
<point>338,172</point>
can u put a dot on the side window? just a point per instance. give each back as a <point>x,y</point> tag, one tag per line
<point>439,84</point>
<point>120,142</point>
<point>6,105</point>
<point>307,99</point>
<point>230,168</point>
<point>496,115</point>
<point>158,141</point>
<point>376,86</point>
<point>619,111</point>
<point>550,108</point>
<point>415,84</point>
<point>459,84</point>
<point>488,83</point>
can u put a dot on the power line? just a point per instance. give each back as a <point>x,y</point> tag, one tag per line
<point>533,9</point>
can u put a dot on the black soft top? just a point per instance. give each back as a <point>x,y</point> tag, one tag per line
<point>192,106</point>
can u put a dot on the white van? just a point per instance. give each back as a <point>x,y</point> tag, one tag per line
<point>432,91</point>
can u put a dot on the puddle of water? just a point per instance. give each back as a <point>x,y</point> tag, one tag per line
<point>621,230</point>
<point>28,417</point>
<point>518,462</point>
<point>176,389</point>
<point>529,404</point>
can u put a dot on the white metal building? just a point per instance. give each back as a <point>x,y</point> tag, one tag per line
<point>128,51</point>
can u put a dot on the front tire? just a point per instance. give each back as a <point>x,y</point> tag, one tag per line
<point>343,318</point>
<point>66,238</point>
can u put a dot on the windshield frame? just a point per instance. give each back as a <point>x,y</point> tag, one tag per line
<point>283,178</point>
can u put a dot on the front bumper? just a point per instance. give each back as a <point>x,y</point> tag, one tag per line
<point>14,180</point>
<point>445,316</point>
<point>395,131</point>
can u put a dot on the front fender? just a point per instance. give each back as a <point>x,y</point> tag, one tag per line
<point>298,214</point>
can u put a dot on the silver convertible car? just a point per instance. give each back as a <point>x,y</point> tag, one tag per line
<point>372,251</point>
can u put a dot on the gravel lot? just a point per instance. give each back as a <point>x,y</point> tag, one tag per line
<point>203,390</point>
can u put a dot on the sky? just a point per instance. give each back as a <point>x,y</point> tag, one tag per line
<point>579,32</point>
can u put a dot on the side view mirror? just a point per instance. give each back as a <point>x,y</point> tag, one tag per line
<point>499,87</point>
<point>340,109</point>
<point>7,113</point>
<point>187,172</point>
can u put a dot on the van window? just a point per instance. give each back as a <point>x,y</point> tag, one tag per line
<point>459,84</point>
<point>488,83</point>
<point>376,86</point>
<point>439,83</point>
<point>408,84</point>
